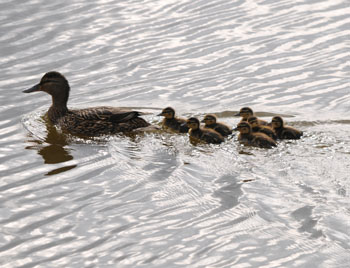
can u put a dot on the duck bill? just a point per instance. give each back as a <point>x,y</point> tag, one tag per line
<point>161,114</point>
<point>237,114</point>
<point>32,89</point>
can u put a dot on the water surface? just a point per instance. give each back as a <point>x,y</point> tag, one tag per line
<point>155,200</point>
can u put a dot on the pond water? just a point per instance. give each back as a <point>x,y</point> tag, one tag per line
<point>153,199</point>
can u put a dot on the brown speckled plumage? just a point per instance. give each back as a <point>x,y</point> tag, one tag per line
<point>94,121</point>
<point>254,139</point>
<point>172,122</point>
<point>198,134</point>
<point>283,131</point>
<point>210,121</point>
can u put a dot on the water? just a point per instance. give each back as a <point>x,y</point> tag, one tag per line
<point>154,200</point>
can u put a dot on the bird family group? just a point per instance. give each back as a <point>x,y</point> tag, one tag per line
<point>106,120</point>
<point>252,130</point>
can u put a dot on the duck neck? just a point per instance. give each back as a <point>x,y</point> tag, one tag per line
<point>58,108</point>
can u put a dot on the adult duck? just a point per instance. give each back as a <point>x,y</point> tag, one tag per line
<point>245,112</point>
<point>247,137</point>
<point>210,121</point>
<point>94,121</point>
<point>172,122</point>
<point>283,131</point>
<point>199,134</point>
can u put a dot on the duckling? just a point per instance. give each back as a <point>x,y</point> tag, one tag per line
<point>198,134</point>
<point>247,137</point>
<point>210,122</point>
<point>94,121</point>
<point>174,123</point>
<point>253,121</point>
<point>283,131</point>
<point>245,112</point>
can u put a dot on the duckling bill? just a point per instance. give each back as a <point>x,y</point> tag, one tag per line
<point>94,121</point>
<point>198,134</point>
<point>210,121</point>
<point>172,122</point>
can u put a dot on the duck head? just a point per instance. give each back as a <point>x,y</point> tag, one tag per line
<point>168,113</point>
<point>54,84</point>
<point>209,119</point>
<point>244,128</point>
<point>245,112</point>
<point>193,123</point>
<point>277,122</point>
<point>253,121</point>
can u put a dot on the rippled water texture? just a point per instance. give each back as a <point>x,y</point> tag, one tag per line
<point>155,200</point>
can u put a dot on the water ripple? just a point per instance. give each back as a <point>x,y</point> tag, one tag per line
<point>154,199</point>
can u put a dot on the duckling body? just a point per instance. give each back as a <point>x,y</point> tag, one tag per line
<point>283,131</point>
<point>246,112</point>
<point>256,128</point>
<point>94,121</point>
<point>198,134</point>
<point>247,137</point>
<point>211,123</point>
<point>172,122</point>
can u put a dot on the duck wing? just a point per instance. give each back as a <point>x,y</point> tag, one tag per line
<point>105,113</point>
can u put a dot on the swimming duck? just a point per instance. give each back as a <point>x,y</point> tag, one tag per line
<point>245,112</point>
<point>198,134</point>
<point>283,131</point>
<point>171,122</point>
<point>94,121</point>
<point>247,137</point>
<point>210,122</point>
<point>253,121</point>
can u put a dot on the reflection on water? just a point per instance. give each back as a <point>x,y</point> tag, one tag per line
<point>52,147</point>
<point>155,200</point>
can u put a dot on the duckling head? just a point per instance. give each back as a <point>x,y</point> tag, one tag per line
<point>168,113</point>
<point>209,119</point>
<point>245,112</point>
<point>277,122</point>
<point>253,121</point>
<point>244,128</point>
<point>193,123</point>
<point>54,84</point>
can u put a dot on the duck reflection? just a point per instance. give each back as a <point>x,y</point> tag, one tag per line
<point>52,148</point>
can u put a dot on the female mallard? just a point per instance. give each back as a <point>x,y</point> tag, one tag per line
<point>198,134</point>
<point>283,131</point>
<point>245,112</point>
<point>92,121</point>
<point>247,137</point>
<point>253,121</point>
<point>171,122</point>
<point>210,122</point>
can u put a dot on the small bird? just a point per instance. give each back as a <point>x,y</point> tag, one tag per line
<point>247,137</point>
<point>173,123</point>
<point>210,121</point>
<point>198,134</point>
<point>245,112</point>
<point>94,121</point>
<point>283,131</point>
<point>253,121</point>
